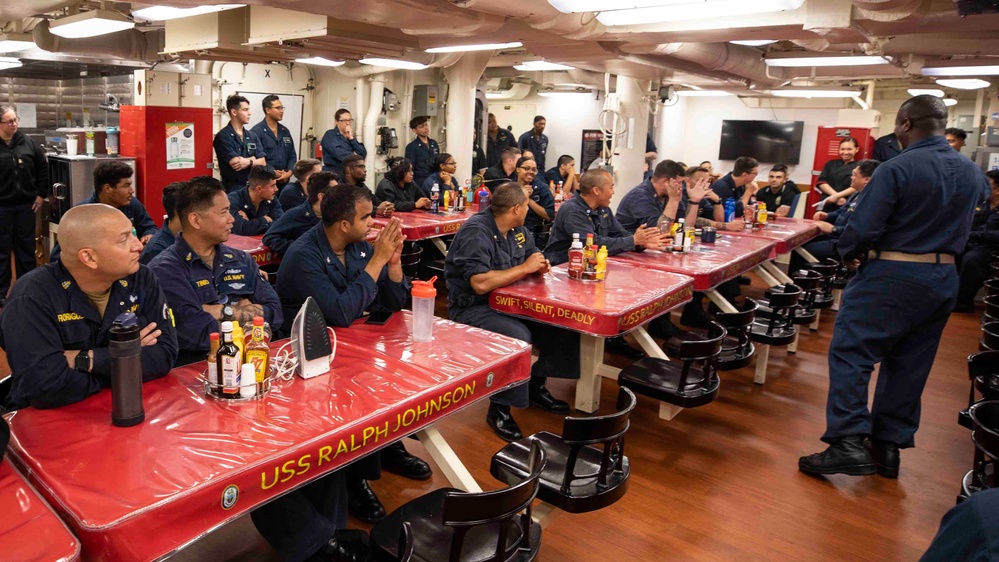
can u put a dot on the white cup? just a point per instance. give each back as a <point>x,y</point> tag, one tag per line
<point>72,145</point>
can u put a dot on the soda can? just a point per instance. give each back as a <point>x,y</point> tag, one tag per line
<point>708,235</point>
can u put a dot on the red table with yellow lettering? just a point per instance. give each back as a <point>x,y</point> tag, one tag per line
<point>142,492</point>
<point>423,225</point>
<point>628,298</point>
<point>254,246</point>
<point>788,233</point>
<point>29,530</point>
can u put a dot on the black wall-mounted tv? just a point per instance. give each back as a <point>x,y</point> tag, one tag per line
<point>777,142</point>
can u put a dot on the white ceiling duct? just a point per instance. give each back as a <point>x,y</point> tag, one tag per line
<point>745,62</point>
<point>131,44</point>
<point>887,10</point>
<point>517,91</point>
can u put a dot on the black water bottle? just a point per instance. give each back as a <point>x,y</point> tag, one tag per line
<point>126,372</point>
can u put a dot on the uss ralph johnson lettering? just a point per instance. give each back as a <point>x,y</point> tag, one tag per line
<point>370,435</point>
<point>548,310</point>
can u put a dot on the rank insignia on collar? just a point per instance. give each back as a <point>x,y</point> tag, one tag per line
<point>66,284</point>
<point>187,257</point>
<point>123,283</point>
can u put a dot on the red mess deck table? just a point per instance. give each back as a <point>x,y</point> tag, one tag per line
<point>141,492</point>
<point>790,234</point>
<point>254,246</point>
<point>423,225</point>
<point>29,530</point>
<point>629,297</point>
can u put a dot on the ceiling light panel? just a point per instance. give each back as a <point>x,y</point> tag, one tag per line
<point>754,42</point>
<point>976,70</point>
<point>807,93</point>
<point>480,47</point>
<point>846,60</point>
<point>163,13</point>
<point>393,63</point>
<point>542,66</point>
<point>926,92</point>
<point>90,24</point>
<point>691,10</point>
<point>963,83</point>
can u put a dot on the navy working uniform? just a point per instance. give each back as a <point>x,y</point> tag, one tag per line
<point>725,189</point>
<point>643,206</point>
<point>255,223</point>
<point>576,217</point>
<point>163,239</point>
<point>336,147</point>
<point>136,213</point>
<point>968,532</point>
<point>479,247</point>
<point>48,313</point>
<point>420,154</point>
<point>190,283</point>
<point>920,202</point>
<point>428,185</point>
<point>886,148</point>
<point>229,145</point>
<point>496,175</point>
<point>292,195</point>
<point>541,195</point>
<point>976,259</point>
<point>404,198</point>
<point>537,145</point>
<point>478,159</point>
<point>279,150</point>
<point>24,175</point>
<point>495,147</point>
<point>837,174</point>
<point>290,227</point>
<point>824,246</point>
<point>555,175</point>
<point>787,195</point>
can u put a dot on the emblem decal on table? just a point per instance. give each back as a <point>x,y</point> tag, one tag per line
<point>489,379</point>
<point>229,496</point>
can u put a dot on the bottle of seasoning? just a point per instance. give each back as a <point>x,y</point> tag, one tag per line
<point>679,235</point>
<point>590,258</point>
<point>213,367</point>
<point>257,351</point>
<point>602,263</point>
<point>229,362</point>
<point>435,198</point>
<point>761,215</point>
<point>576,263</point>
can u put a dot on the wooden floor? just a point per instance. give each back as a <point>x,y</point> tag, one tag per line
<point>721,482</point>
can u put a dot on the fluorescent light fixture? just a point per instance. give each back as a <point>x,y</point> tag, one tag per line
<point>13,42</point>
<point>495,95</point>
<point>573,85</point>
<point>926,92</point>
<point>564,93</point>
<point>481,47</point>
<point>968,70</point>
<point>320,61</point>
<point>691,10</point>
<point>808,93</point>
<point>163,13</point>
<point>845,60</point>
<point>540,65</point>
<point>90,24</point>
<point>393,63</point>
<point>754,42</point>
<point>7,63</point>
<point>963,83</point>
<point>703,94</point>
<point>949,102</point>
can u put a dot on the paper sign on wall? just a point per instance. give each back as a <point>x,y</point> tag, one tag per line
<point>179,146</point>
<point>994,161</point>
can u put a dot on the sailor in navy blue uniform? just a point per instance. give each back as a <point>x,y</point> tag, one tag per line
<point>167,234</point>
<point>739,184</point>
<point>443,168</point>
<point>339,143</point>
<point>910,221</point>
<point>55,326</point>
<point>236,147</point>
<point>113,186</point>
<point>832,224</point>
<point>540,202</point>
<point>976,259</point>
<point>422,151</point>
<point>536,141</point>
<point>293,194</point>
<point>587,213</point>
<point>255,207</point>
<point>497,140</point>
<point>492,250</point>
<point>276,139</point>
<point>297,221</point>
<point>348,276</point>
<point>886,148</point>
<point>564,172</point>
<point>199,270</point>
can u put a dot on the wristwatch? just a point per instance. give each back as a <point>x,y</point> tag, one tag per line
<point>83,361</point>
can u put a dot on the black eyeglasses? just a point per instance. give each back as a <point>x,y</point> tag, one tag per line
<point>529,169</point>
<point>9,122</point>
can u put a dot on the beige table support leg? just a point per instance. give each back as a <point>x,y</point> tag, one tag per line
<point>447,460</point>
<point>440,245</point>
<point>591,357</point>
<point>720,301</point>
<point>806,255</point>
<point>544,513</point>
<point>776,272</point>
<point>815,323</point>
<point>762,355</point>
<point>837,299</point>
<point>793,346</point>
<point>666,411</point>
<point>765,275</point>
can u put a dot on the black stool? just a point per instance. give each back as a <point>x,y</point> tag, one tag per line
<point>779,329</point>
<point>824,298</point>
<point>679,383</point>
<point>991,309</point>
<point>452,525</point>
<point>737,350</point>
<point>412,253</point>
<point>586,468</point>
<point>985,436</point>
<point>983,370</point>
<point>990,337</point>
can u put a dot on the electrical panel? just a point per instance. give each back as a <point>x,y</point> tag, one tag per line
<point>425,100</point>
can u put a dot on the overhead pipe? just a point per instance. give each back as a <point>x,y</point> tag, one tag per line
<point>674,64</point>
<point>887,10</point>
<point>745,62</point>
<point>370,130</point>
<point>130,44</point>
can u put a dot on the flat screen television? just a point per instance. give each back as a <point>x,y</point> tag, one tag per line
<point>777,142</point>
